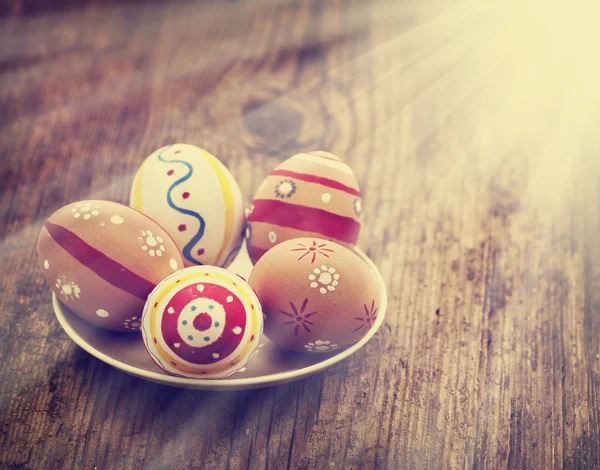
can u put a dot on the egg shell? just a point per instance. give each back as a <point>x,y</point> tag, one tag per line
<point>194,197</point>
<point>310,194</point>
<point>202,322</point>
<point>317,295</point>
<point>102,259</point>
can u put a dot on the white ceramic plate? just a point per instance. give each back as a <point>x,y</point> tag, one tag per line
<point>270,366</point>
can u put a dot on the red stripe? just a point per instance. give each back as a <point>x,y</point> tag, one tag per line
<point>105,267</point>
<point>306,219</point>
<point>317,179</point>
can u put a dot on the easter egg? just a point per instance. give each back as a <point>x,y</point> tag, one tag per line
<point>193,196</point>
<point>310,194</point>
<point>202,321</point>
<point>317,295</point>
<point>102,259</point>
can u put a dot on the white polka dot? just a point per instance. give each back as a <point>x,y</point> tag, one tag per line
<point>158,253</point>
<point>151,252</point>
<point>272,237</point>
<point>85,209</point>
<point>151,241</point>
<point>322,290</point>
<point>135,324</point>
<point>176,344</point>
<point>95,212</point>
<point>73,210</point>
<point>102,313</point>
<point>215,355</point>
<point>77,214</point>
<point>134,318</point>
<point>87,216</point>
<point>200,287</point>
<point>102,224</point>
<point>160,240</point>
<point>326,197</point>
<point>229,299</point>
<point>117,220</point>
<point>46,264</point>
<point>173,264</point>
<point>171,310</point>
<point>237,330</point>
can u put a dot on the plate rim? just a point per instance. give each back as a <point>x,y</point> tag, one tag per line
<point>231,383</point>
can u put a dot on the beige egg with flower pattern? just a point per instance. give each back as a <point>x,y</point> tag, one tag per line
<point>317,295</point>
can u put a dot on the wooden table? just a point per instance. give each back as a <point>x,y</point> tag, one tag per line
<point>472,127</point>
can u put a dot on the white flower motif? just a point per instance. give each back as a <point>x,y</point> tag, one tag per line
<point>326,279</point>
<point>320,346</point>
<point>151,243</point>
<point>132,323</point>
<point>285,189</point>
<point>85,209</point>
<point>69,289</point>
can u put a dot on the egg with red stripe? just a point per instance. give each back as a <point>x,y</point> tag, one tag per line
<point>202,322</point>
<point>195,198</point>
<point>312,194</point>
<point>102,259</point>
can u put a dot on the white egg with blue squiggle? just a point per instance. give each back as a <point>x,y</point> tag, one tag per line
<point>194,197</point>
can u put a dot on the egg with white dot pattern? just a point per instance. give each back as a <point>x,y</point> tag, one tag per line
<point>312,194</point>
<point>317,295</point>
<point>202,322</point>
<point>194,197</point>
<point>102,259</point>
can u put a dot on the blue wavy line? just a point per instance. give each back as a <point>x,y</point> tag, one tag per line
<point>187,250</point>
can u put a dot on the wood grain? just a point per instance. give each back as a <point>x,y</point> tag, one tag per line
<point>480,175</point>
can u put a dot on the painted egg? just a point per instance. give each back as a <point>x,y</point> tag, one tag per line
<point>317,296</point>
<point>102,259</point>
<point>202,322</point>
<point>194,197</point>
<point>310,194</point>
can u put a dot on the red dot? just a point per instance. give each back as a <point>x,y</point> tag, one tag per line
<point>177,151</point>
<point>235,284</point>
<point>200,251</point>
<point>182,228</point>
<point>178,281</point>
<point>185,195</point>
<point>206,274</point>
<point>251,338</point>
<point>172,363</point>
<point>252,306</point>
<point>155,341</point>
<point>170,172</point>
<point>311,249</point>
<point>155,304</point>
<point>202,322</point>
